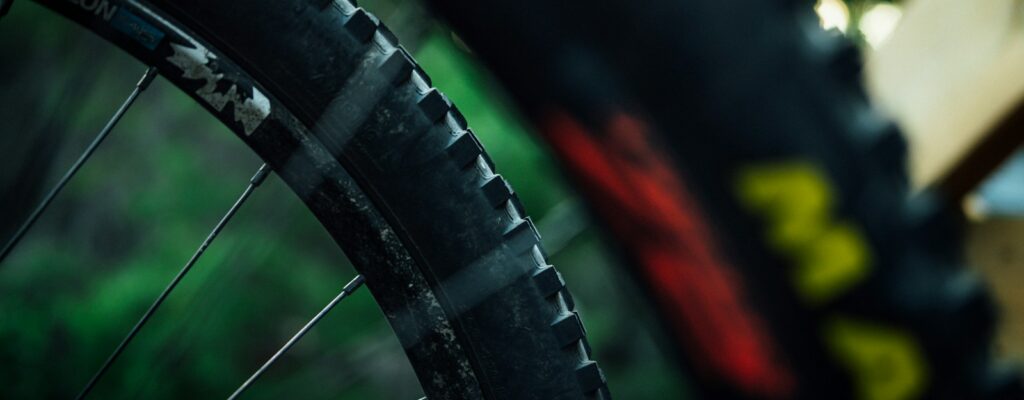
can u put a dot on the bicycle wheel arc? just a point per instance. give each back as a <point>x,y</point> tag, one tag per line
<point>325,95</point>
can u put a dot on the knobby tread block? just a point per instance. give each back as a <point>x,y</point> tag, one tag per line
<point>416,65</point>
<point>398,66</point>
<point>568,329</point>
<point>522,237</point>
<point>434,105</point>
<point>417,68</point>
<point>488,160</point>
<point>360,24</point>
<point>590,377</point>
<point>549,281</point>
<point>586,346</point>
<point>465,149</point>
<point>518,206</point>
<point>497,190</point>
<point>423,75</point>
<point>460,120</point>
<point>567,297</point>
<point>374,19</point>
<point>388,35</point>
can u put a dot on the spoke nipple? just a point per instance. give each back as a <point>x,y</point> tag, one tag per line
<point>151,74</point>
<point>261,175</point>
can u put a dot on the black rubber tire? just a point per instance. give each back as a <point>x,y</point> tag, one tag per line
<point>725,87</point>
<point>323,93</point>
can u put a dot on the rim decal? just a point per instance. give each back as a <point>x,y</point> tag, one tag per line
<point>199,63</point>
<point>195,63</point>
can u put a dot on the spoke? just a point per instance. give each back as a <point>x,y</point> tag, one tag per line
<point>254,182</point>
<point>347,290</point>
<point>147,78</point>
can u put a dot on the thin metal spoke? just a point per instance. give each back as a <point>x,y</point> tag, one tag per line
<point>347,290</point>
<point>254,182</point>
<point>147,78</point>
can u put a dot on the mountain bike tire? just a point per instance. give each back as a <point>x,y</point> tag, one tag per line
<point>323,92</point>
<point>721,144</point>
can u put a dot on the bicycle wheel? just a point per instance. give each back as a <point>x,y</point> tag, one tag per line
<point>325,95</point>
<point>762,202</point>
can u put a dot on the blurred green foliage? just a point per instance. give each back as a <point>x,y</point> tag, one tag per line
<point>135,214</point>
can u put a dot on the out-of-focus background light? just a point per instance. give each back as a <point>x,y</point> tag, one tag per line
<point>878,22</point>
<point>833,14</point>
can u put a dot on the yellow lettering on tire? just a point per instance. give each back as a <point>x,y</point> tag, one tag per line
<point>832,262</point>
<point>796,202</point>
<point>792,197</point>
<point>886,362</point>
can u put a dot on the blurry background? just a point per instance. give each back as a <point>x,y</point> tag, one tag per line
<point>949,73</point>
<point>137,211</point>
